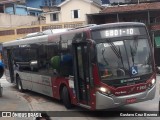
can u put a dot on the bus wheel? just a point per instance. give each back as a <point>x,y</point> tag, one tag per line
<point>65,98</point>
<point>19,84</point>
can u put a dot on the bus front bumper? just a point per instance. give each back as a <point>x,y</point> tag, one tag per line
<point>105,102</point>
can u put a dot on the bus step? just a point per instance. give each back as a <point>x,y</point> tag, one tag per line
<point>85,106</point>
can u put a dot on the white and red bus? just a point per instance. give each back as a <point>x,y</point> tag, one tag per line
<point>96,67</point>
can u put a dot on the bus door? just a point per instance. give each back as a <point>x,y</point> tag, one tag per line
<point>81,67</point>
<point>10,65</point>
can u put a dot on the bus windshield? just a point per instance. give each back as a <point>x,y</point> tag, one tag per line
<point>124,58</point>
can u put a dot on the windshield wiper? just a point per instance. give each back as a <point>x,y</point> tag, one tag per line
<point>103,50</point>
<point>117,52</point>
<point>133,50</point>
<point>148,60</point>
<point>132,55</point>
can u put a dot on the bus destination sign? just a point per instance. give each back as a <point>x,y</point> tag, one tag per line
<point>118,32</point>
<point>121,32</point>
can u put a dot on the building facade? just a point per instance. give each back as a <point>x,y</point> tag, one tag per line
<point>18,7</point>
<point>72,11</point>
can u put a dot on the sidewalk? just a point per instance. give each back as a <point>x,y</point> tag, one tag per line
<point>10,101</point>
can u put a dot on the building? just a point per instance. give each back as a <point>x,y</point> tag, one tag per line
<point>105,1</point>
<point>148,13</point>
<point>42,3</point>
<point>139,1</point>
<point>64,15</point>
<point>8,6</point>
<point>14,13</point>
<point>18,7</point>
<point>72,11</point>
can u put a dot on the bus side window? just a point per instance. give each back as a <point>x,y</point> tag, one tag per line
<point>42,57</point>
<point>66,62</point>
<point>52,59</point>
<point>21,58</point>
<point>66,65</point>
<point>33,60</point>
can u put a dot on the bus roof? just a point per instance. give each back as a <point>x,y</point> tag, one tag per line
<point>37,37</point>
<point>23,41</point>
<point>43,36</point>
<point>118,24</point>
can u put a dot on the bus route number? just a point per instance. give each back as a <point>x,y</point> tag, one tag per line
<point>119,32</point>
<point>142,87</point>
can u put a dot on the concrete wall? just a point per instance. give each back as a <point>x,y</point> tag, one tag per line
<point>7,20</point>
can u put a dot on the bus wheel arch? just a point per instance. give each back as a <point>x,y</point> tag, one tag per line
<point>65,96</point>
<point>19,83</point>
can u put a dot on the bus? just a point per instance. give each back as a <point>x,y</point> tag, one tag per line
<point>95,66</point>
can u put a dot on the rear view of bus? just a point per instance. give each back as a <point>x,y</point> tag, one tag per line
<point>124,61</point>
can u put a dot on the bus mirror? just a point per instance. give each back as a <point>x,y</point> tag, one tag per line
<point>34,64</point>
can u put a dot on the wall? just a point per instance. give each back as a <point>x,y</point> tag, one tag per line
<point>8,20</point>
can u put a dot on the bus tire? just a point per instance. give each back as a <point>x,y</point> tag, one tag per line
<point>66,98</point>
<point>19,84</point>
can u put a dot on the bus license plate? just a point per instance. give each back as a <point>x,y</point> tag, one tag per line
<point>131,100</point>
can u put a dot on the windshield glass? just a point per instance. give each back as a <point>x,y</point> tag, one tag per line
<point>125,58</point>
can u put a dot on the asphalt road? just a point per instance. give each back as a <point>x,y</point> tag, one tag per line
<point>13,100</point>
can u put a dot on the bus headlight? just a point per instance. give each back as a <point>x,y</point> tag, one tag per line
<point>104,90</point>
<point>153,81</point>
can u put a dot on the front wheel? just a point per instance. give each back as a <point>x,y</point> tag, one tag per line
<point>66,98</point>
<point>19,84</point>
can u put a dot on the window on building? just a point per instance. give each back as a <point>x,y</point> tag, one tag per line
<point>75,13</point>
<point>52,2</point>
<point>49,2</point>
<point>32,14</point>
<point>152,20</point>
<point>46,3</point>
<point>54,17</point>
